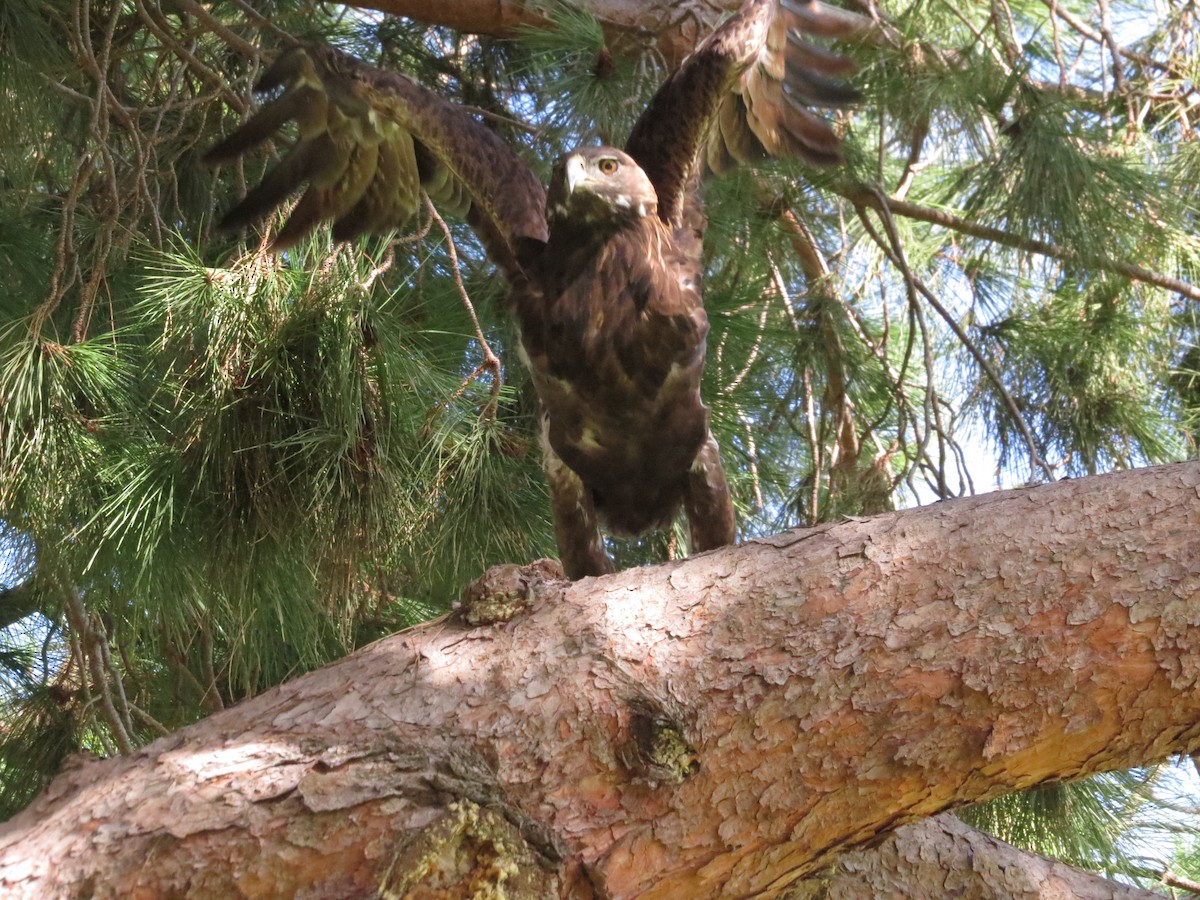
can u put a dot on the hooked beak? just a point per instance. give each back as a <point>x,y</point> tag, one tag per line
<point>576,172</point>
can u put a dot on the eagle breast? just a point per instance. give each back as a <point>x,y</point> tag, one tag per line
<point>613,331</point>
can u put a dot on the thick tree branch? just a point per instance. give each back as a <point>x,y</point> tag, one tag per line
<point>960,862</point>
<point>674,27</point>
<point>721,726</point>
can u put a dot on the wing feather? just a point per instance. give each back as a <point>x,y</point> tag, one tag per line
<point>392,200</point>
<point>369,142</point>
<point>743,95</point>
<point>305,161</point>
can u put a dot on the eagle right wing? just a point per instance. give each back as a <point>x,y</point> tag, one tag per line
<point>742,96</point>
<point>369,142</point>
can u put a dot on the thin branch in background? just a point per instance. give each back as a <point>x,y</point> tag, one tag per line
<point>933,417</point>
<point>235,41</point>
<point>91,288</point>
<point>752,356</point>
<point>149,720</point>
<point>815,446</point>
<point>1106,34</point>
<point>906,415</point>
<point>913,164</point>
<point>960,460</point>
<point>209,699</point>
<point>1056,34</point>
<point>389,259</point>
<point>202,71</point>
<point>980,39</point>
<point>65,258</point>
<point>104,650</point>
<point>1170,879</point>
<point>1002,25</point>
<point>895,254</point>
<point>491,362</point>
<point>212,694</point>
<point>785,301</point>
<point>90,643</point>
<point>837,403</point>
<point>877,200</point>
<point>752,456</point>
<point>79,657</point>
<point>1061,12</point>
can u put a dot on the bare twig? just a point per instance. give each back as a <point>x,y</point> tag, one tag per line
<point>752,456</point>
<point>752,356</point>
<point>92,648</point>
<point>1061,12</point>
<point>879,201</point>
<point>235,41</point>
<point>149,720</point>
<point>491,362</point>
<point>205,73</point>
<point>816,447</point>
<point>892,249</point>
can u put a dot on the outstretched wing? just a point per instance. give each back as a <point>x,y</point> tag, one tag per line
<point>369,142</point>
<point>743,95</point>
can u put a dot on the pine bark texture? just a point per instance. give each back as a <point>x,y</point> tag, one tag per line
<point>942,857</point>
<point>718,727</point>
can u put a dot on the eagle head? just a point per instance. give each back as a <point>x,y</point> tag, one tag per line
<point>599,186</point>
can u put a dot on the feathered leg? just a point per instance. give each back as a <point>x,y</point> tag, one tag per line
<point>576,528</point>
<point>707,502</point>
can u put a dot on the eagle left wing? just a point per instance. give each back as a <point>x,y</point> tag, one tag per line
<point>369,142</point>
<point>743,95</point>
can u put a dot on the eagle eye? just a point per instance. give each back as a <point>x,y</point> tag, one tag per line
<point>607,166</point>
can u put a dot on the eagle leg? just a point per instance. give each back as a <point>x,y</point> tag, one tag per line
<point>576,527</point>
<point>707,502</point>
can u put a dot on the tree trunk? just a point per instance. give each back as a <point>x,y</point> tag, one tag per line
<point>718,727</point>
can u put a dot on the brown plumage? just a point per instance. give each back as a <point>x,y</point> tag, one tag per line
<point>604,270</point>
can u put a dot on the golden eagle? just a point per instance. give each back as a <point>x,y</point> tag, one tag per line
<point>604,268</point>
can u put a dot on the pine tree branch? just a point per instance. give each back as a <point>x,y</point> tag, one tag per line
<point>945,852</point>
<point>1170,879</point>
<point>880,201</point>
<point>897,666</point>
<point>893,249</point>
<point>1099,37</point>
<point>491,362</point>
<point>94,659</point>
<point>675,28</point>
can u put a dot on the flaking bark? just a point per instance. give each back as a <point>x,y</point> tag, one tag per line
<point>809,693</point>
<point>942,857</point>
